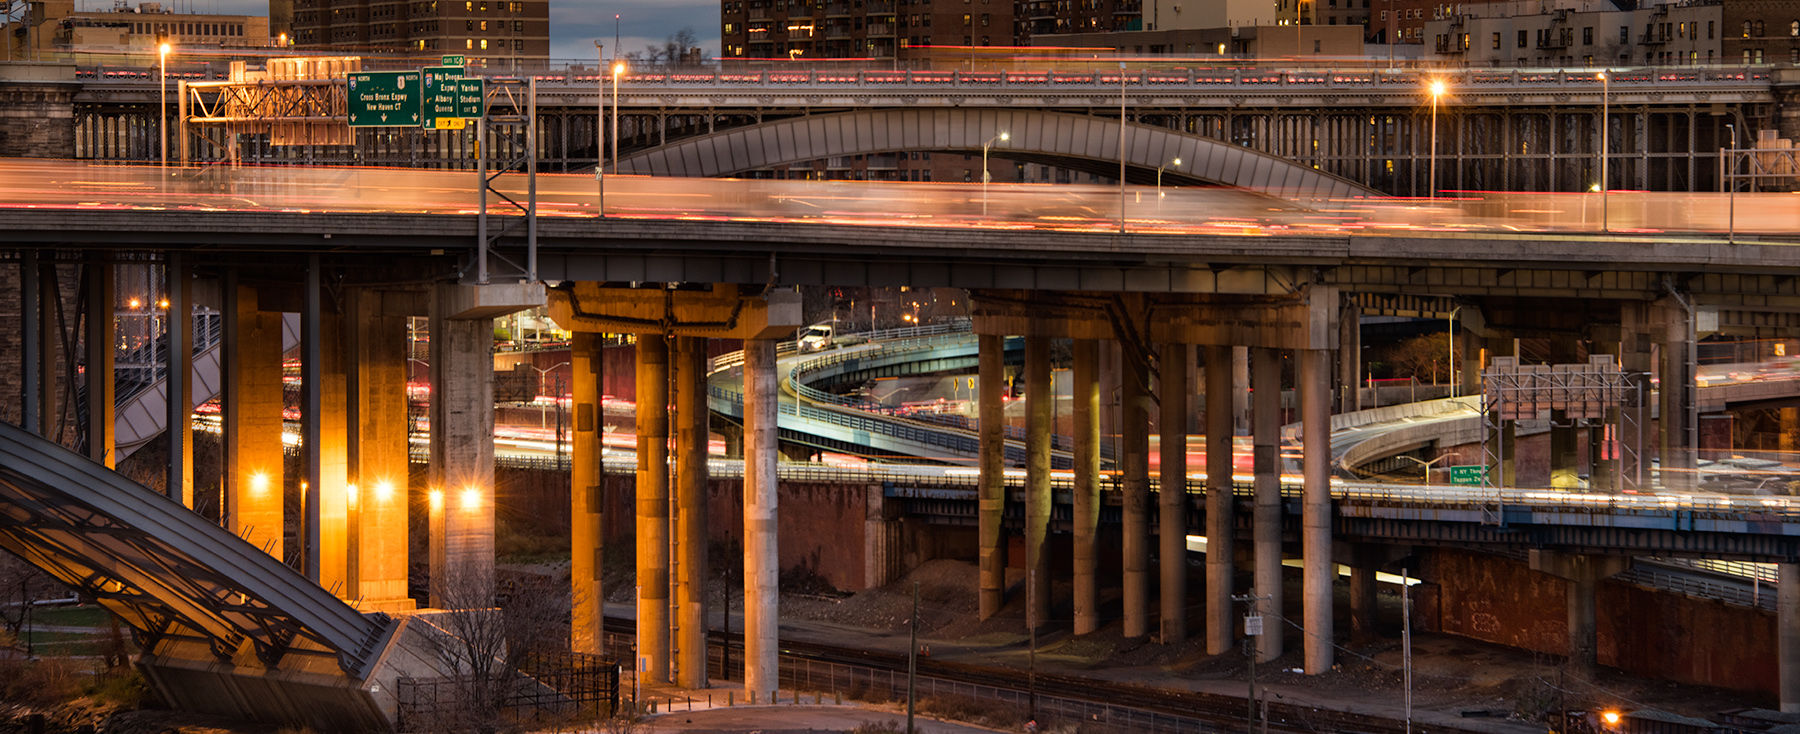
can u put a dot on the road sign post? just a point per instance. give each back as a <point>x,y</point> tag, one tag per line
<point>384,99</point>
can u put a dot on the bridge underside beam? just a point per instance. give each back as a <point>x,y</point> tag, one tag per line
<point>1277,322</point>
<point>725,311</point>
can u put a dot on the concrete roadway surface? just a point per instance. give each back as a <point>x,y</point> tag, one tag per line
<point>795,719</point>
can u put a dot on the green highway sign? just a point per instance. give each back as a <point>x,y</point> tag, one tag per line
<point>454,61</point>
<point>1470,474</point>
<point>384,98</point>
<point>439,109</point>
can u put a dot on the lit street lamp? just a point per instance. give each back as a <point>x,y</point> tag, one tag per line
<point>162,111</point>
<point>1437,90</point>
<point>618,69</point>
<point>1159,170</point>
<point>1121,147</point>
<point>1002,137</point>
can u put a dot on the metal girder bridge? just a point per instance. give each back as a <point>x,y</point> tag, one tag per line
<point>185,585</point>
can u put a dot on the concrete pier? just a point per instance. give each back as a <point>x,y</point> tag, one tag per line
<point>1171,495</point>
<point>991,370</point>
<point>1085,518</point>
<point>1788,635</point>
<point>378,460</point>
<point>178,421</point>
<point>98,340</point>
<point>254,474</point>
<point>1314,389</point>
<point>691,415</point>
<point>1583,573</point>
<point>1221,506</point>
<point>1040,399</point>
<point>1134,467</point>
<point>1265,379</point>
<point>761,557</point>
<point>586,494</point>
<point>653,507</point>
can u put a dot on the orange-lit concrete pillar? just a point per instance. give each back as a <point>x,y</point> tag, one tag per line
<point>1221,507</point>
<point>1265,379</point>
<point>586,495</point>
<point>461,473</point>
<point>991,496</point>
<point>334,462</point>
<point>653,506</point>
<point>98,342</point>
<point>1134,466</point>
<point>1040,399</point>
<point>761,554</point>
<point>378,463</point>
<point>253,404</point>
<point>1172,478</point>
<point>178,420</point>
<point>1318,565</point>
<point>1085,520</point>
<point>690,500</point>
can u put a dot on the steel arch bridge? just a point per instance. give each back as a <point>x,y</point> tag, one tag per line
<point>1081,142</point>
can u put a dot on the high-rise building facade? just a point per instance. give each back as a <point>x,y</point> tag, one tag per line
<point>494,32</point>
<point>908,29</point>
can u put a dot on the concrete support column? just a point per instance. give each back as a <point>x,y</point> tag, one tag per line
<point>653,506</point>
<point>1265,379</point>
<point>1789,419</point>
<point>378,460</point>
<point>49,303</point>
<point>32,393</point>
<point>1583,573</point>
<point>98,342</point>
<point>1134,467</point>
<point>991,369</point>
<point>761,559</point>
<point>586,495</point>
<point>1221,511</point>
<point>1365,563</point>
<point>1240,391</point>
<point>1314,390</point>
<point>1565,439</point>
<point>690,468</point>
<point>330,460</point>
<point>1634,424</point>
<point>461,473</point>
<point>883,545</point>
<point>1171,494</point>
<point>1788,635</point>
<point>1085,520</point>
<point>1677,414</point>
<point>254,399</point>
<point>179,418</point>
<point>1349,358</point>
<point>1040,399</point>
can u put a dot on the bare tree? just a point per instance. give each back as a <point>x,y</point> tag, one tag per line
<point>1425,356</point>
<point>21,584</point>
<point>481,648</point>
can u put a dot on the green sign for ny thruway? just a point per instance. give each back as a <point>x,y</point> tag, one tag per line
<point>1469,474</point>
<point>384,99</point>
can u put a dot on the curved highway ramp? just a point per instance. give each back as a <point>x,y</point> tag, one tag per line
<point>225,628</point>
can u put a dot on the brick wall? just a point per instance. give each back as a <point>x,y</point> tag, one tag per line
<point>37,120</point>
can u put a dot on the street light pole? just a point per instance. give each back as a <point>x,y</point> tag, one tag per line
<point>1437,90</point>
<point>1731,183</point>
<point>1121,147</point>
<point>1451,358</point>
<point>1002,137</point>
<point>1605,148</point>
<point>162,106</point>
<point>600,132</point>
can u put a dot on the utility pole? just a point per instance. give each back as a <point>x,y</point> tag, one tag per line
<point>1253,628</point>
<point>1406,640</point>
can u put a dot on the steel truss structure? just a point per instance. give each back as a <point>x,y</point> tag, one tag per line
<point>163,569</point>
<point>510,140</point>
<point>1580,395</point>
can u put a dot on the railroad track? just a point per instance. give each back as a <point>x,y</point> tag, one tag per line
<point>1209,711</point>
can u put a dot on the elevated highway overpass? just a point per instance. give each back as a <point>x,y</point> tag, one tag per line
<point>717,260</point>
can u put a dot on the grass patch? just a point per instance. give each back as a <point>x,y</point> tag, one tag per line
<point>72,617</point>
